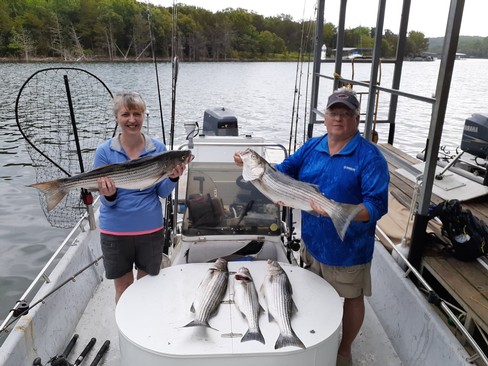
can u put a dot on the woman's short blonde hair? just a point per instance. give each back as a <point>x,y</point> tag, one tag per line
<point>130,100</point>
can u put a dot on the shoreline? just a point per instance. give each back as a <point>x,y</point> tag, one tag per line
<point>130,60</point>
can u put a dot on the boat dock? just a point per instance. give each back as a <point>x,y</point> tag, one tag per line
<point>464,284</point>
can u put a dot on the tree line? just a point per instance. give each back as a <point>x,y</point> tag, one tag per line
<point>129,30</point>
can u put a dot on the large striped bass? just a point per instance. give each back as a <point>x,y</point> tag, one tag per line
<point>210,293</point>
<point>283,189</point>
<point>139,173</point>
<point>278,293</point>
<point>247,302</point>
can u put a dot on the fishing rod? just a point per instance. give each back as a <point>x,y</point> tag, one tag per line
<point>23,308</point>
<point>169,212</point>
<point>153,52</point>
<point>62,360</point>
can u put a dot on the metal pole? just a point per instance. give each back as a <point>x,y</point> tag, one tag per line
<point>437,121</point>
<point>374,70</point>
<point>397,72</point>
<point>340,42</point>
<point>319,40</point>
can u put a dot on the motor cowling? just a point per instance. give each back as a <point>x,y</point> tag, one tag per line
<point>220,122</point>
<point>475,135</point>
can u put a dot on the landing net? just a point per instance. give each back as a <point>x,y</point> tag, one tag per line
<point>64,114</point>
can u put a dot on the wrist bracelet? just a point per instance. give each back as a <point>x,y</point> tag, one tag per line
<point>174,180</point>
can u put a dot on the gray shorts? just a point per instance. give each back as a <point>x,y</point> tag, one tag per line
<point>349,281</point>
<point>120,253</point>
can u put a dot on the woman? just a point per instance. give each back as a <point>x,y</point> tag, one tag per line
<point>131,221</point>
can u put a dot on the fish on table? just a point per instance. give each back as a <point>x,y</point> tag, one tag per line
<point>247,302</point>
<point>279,187</point>
<point>277,292</point>
<point>209,294</point>
<point>139,174</point>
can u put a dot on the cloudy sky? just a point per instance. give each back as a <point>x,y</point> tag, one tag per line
<point>426,16</point>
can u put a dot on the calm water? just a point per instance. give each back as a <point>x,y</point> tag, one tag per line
<point>261,95</point>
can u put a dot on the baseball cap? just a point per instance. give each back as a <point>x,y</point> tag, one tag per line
<point>349,100</point>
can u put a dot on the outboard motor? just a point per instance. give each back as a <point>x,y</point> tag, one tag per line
<point>220,122</point>
<point>475,136</point>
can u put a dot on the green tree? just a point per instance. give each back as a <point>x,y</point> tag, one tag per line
<point>416,44</point>
<point>330,37</point>
<point>389,44</point>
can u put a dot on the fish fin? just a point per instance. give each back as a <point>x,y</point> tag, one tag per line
<point>240,312</point>
<point>294,308</point>
<point>342,216</point>
<point>53,191</point>
<point>199,323</point>
<point>253,336</point>
<point>250,174</point>
<point>289,340</point>
<point>270,317</point>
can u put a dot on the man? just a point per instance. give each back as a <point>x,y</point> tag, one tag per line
<point>348,169</point>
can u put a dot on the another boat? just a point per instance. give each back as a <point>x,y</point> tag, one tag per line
<point>71,308</point>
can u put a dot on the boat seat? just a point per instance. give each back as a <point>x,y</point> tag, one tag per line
<point>204,210</point>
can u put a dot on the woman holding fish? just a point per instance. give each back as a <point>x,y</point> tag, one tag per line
<point>344,167</point>
<point>131,220</point>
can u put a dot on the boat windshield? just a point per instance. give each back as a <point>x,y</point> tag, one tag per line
<point>220,202</point>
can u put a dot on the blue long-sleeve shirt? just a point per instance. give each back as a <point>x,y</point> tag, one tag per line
<point>357,174</point>
<point>133,212</point>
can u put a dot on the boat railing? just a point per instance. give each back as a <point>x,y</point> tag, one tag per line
<point>21,307</point>
<point>434,298</point>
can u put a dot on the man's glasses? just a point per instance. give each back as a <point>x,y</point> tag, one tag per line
<point>348,114</point>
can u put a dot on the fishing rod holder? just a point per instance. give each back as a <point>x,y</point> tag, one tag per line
<point>190,128</point>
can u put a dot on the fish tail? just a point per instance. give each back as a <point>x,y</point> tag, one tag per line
<point>289,340</point>
<point>199,323</point>
<point>53,191</point>
<point>342,216</point>
<point>254,335</point>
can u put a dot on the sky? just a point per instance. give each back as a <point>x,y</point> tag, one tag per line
<point>426,16</point>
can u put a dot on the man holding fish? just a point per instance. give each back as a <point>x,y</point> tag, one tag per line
<point>131,220</point>
<point>353,176</point>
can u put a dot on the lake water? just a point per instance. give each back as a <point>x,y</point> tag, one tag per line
<point>260,94</point>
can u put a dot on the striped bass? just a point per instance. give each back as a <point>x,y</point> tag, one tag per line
<point>209,294</point>
<point>247,302</point>
<point>139,174</point>
<point>283,189</point>
<point>277,291</point>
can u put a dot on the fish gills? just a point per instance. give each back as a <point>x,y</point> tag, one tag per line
<point>209,294</point>
<point>247,302</point>
<point>278,292</point>
<point>279,187</point>
<point>139,173</point>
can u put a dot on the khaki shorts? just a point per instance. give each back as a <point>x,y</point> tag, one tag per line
<point>349,281</point>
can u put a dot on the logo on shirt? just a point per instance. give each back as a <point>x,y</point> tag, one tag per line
<point>349,168</point>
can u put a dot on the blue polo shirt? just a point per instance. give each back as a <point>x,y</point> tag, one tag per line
<point>357,174</point>
<point>133,212</point>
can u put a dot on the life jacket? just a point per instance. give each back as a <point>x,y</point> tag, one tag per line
<point>467,233</point>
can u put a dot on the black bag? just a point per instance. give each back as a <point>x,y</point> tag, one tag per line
<point>467,234</point>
